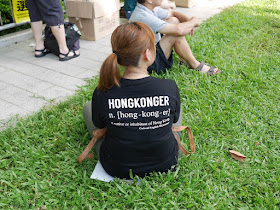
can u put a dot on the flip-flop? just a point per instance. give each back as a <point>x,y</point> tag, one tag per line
<point>67,57</point>
<point>43,53</point>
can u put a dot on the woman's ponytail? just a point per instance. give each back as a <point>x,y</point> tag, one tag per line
<point>109,73</point>
<point>129,41</point>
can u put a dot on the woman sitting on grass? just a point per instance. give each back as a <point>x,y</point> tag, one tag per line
<point>138,110</point>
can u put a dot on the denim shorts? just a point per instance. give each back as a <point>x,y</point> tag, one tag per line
<point>161,62</point>
<point>49,11</point>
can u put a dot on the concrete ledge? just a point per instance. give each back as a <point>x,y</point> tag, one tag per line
<point>15,37</point>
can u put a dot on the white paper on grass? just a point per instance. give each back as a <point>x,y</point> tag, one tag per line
<point>100,174</point>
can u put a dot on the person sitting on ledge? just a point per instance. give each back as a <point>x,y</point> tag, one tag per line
<point>170,28</point>
<point>138,110</point>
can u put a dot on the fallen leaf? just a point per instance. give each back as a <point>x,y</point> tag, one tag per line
<point>237,155</point>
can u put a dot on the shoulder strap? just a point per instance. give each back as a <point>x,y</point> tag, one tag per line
<point>190,135</point>
<point>97,134</point>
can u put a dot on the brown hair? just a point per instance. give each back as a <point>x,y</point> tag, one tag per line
<point>128,42</point>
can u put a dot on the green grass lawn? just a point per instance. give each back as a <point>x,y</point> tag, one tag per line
<point>239,109</point>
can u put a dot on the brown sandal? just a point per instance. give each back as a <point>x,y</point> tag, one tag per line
<point>210,72</point>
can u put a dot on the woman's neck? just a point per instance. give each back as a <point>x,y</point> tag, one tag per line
<point>131,72</point>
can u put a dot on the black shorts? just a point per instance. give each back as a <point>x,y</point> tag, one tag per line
<point>161,62</point>
<point>49,11</point>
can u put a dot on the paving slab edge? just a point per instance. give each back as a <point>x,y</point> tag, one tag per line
<point>16,37</point>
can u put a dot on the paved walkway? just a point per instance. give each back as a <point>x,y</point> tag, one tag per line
<point>28,83</point>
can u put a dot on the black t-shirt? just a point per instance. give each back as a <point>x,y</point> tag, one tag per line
<point>138,115</point>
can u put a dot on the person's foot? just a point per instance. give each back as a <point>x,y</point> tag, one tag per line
<point>69,55</point>
<point>41,53</point>
<point>204,68</point>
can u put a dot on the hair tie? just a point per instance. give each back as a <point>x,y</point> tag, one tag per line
<point>118,56</point>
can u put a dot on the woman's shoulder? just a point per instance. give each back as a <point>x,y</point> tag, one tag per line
<point>98,94</point>
<point>148,83</point>
<point>96,91</point>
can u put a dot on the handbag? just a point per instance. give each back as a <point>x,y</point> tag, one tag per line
<point>98,133</point>
<point>72,35</point>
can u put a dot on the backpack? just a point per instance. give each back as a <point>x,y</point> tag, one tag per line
<point>72,35</point>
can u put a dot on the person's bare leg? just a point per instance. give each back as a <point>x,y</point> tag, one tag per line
<point>59,33</point>
<point>37,34</point>
<point>181,47</point>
